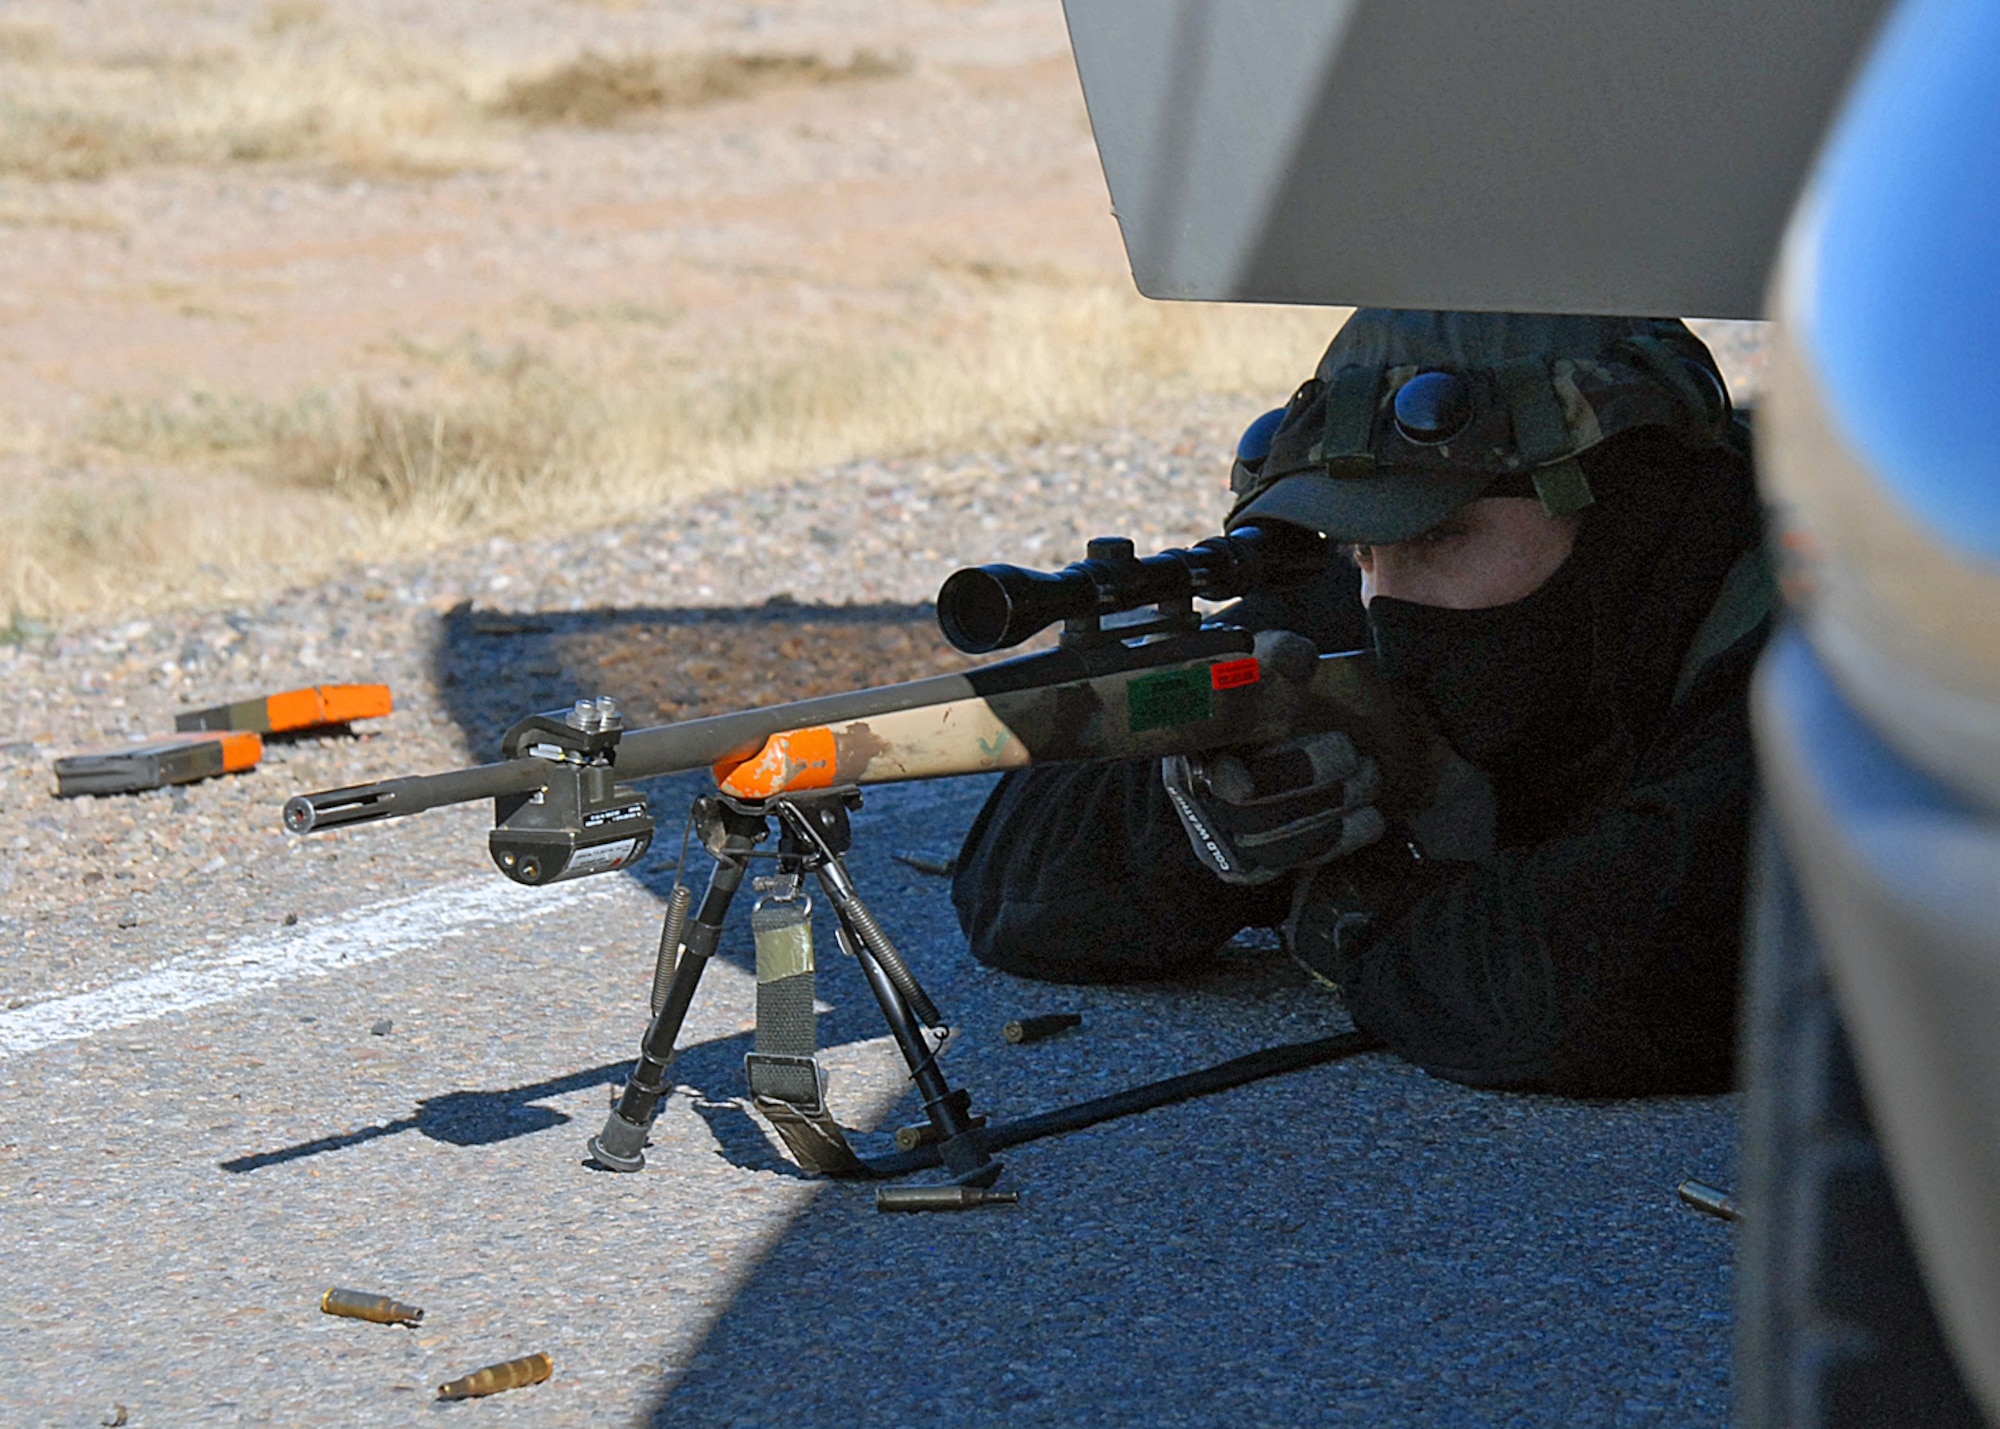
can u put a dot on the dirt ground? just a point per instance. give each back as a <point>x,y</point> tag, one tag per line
<point>760,215</point>
<point>288,284</point>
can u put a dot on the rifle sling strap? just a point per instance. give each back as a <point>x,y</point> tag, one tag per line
<point>787,1083</point>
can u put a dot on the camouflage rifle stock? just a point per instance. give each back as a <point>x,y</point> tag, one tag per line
<point>1137,673</point>
<point>1165,685</point>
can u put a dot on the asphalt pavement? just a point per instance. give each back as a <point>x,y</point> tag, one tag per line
<point>1354,1244</point>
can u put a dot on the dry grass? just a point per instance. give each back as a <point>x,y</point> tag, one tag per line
<point>59,215</point>
<point>305,86</point>
<point>202,423</point>
<point>26,44</point>
<point>284,17</point>
<point>223,493</point>
<point>352,101</point>
<point>599,90</point>
<point>125,541</point>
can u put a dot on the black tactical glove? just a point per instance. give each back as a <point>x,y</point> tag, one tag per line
<point>1336,911</point>
<point>1255,814</point>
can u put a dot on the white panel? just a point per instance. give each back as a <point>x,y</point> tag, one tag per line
<point>1205,104</point>
<point>1631,156</point>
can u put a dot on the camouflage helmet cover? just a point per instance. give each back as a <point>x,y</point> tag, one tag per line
<point>1532,391</point>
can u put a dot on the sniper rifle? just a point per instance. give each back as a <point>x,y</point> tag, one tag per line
<point>1138,672</point>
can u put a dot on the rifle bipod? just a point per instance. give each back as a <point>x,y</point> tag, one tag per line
<point>786,1081</point>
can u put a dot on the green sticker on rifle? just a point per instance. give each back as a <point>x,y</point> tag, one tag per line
<point>1168,698</point>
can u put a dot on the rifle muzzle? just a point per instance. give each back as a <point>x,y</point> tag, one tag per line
<point>393,798</point>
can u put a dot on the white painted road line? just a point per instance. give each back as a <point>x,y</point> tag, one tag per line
<point>211,976</point>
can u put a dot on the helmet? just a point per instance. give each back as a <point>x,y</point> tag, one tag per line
<point>1413,414</point>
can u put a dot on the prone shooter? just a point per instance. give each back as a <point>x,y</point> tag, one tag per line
<point>1510,827</point>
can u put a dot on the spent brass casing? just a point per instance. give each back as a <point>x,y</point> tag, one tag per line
<point>941,1198</point>
<point>1034,1029</point>
<point>1710,1201</point>
<point>528,1369</point>
<point>909,1138</point>
<point>359,1305</point>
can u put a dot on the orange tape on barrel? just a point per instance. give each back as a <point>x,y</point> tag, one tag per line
<point>794,759</point>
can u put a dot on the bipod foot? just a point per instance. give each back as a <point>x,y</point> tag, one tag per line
<point>621,1146</point>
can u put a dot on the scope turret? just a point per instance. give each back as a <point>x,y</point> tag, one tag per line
<point>985,608</point>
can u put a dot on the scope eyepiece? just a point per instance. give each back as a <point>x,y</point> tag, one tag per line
<point>985,608</point>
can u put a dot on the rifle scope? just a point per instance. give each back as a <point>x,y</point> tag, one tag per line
<point>987,608</point>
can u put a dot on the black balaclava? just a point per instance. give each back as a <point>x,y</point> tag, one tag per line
<point>1555,695</point>
<point>1506,684</point>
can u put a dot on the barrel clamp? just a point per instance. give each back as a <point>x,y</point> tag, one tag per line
<point>582,820</point>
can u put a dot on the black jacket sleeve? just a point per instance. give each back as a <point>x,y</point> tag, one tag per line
<point>1081,873</point>
<point>1599,962</point>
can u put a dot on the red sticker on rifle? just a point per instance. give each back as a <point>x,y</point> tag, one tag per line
<point>1229,674</point>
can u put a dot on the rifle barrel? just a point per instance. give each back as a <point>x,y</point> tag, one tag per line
<point>642,754</point>
<point>392,798</point>
<point>1020,706</point>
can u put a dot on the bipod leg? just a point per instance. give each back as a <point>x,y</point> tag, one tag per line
<point>729,835</point>
<point>963,1153</point>
<point>906,1007</point>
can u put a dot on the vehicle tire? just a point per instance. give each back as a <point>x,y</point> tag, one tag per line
<point>1834,1329</point>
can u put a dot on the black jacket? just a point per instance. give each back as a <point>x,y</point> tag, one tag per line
<point>1595,952</point>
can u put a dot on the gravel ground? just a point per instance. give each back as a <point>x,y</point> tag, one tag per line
<point>1357,1244</point>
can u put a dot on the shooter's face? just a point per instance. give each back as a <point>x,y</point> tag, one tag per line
<point>1493,551</point>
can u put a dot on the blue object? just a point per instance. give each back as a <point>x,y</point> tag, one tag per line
<point>1904,302</point>
<point>1433,407</point>
<point>1255,443</point>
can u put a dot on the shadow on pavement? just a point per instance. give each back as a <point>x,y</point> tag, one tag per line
<point>1356,1245</point>
<point>711,1073</point>
<point>665,664</point>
